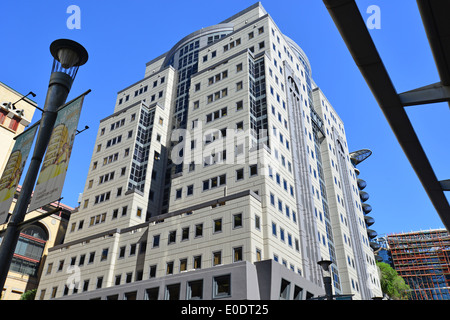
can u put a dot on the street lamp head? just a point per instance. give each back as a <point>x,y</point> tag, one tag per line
<point>325,264</point>
<point>68,56</point>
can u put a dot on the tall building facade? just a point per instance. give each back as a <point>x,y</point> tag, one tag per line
<point>223,173</point>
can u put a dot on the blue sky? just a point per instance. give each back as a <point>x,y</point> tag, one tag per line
<point>121,36</point>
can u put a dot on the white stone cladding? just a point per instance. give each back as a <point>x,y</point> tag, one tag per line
<point>264,201</point>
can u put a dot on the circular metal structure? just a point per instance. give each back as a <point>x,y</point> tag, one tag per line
<point>66,44</point>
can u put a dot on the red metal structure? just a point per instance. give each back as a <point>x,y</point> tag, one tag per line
<point>423,260</point>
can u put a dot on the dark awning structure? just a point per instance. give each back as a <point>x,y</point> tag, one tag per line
<point>352,27</point>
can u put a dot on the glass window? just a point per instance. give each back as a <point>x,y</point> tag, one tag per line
<point>222,286</point>
<point>218,225</point>
<point>194,290</point>
<point>173,292</point>
<point>237,220</point>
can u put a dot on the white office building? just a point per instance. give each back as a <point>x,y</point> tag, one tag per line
<point>223,173</point>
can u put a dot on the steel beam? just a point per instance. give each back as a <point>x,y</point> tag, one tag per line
<point>352,27</point>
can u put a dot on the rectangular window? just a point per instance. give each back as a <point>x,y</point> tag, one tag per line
<point>173,292</point>
<point>217,258</point>
<point>156,241</point>
<point>183,265</point>
<point>218,225</point>
<point>237,254</point>
<point>185,233</point>
<point>237,220</point>
<point>197,262</point>
<point>194,290</point>
<point>172,236</point>
<point>222,286</point>
<point>104,254</point>
<point>169,267</point>
<point>239,174</point>
<point>190,190</point>
<point>199,230</point>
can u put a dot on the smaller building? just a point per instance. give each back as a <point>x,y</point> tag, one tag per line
<point>422,258</point>
<point>262,280</point>
<point>32,248</point>
<point>16,113</point>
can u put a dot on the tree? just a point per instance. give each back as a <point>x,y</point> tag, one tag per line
<point>391,283</point>
<point>28,295</point>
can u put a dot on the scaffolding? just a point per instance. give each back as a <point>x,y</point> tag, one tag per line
<point>422,260</point>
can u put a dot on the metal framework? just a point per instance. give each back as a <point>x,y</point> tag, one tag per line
<point>423,260</point>
<point>352,27</point>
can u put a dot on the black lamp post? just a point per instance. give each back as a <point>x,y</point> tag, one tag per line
<point>68,57</point>
<point>325,264</point>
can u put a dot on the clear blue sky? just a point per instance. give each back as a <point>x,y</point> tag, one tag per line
<point>121,36</point>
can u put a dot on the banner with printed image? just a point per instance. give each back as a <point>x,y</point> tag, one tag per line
<point>13,170</point>
<point>53,171</point>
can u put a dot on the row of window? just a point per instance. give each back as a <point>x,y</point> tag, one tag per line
<point>221,289</point>
<point>141,91</point>
<point>94,220</point>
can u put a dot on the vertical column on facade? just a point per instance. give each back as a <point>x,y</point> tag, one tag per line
<point>303,185</point>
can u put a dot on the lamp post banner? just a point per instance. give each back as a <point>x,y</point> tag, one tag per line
<point>13,170</point>
<point>53,171</point>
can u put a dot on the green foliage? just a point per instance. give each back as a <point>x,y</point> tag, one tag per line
<point>28,295</point>
<point>391,283</point>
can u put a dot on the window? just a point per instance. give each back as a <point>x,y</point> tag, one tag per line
<point>118,279</point>
<point>156,241</point>
<point>183,265</point>
<point>272,199</point>
<point>194,290</point>
<point>196,104</point>
<point>104,254</point>
<point>257,222</point>
<point>239,105</point>
<point>169,267</point>
<point>190,190</point>
<point>133,249</point>
<point>91,257</point>
<point>185,233</point>
<point>217,258</point>
<point>218,225</point>
<point>239,174</point>
<point>237,220</point>
<point>99,282</point>
<point>237,254</point>
<point>222,286</point>
<point>172,236</point>
<point>199,230</point>
<point>152,293</point>
<point>239,67</point>
<point>197,262</point>
<point>284,289</point>
<point>178,193</point>
<point>122,252</point>
<point>172,292</point>
<point>258,254</point>
<point>253,170</point>
<point>152,273</point>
